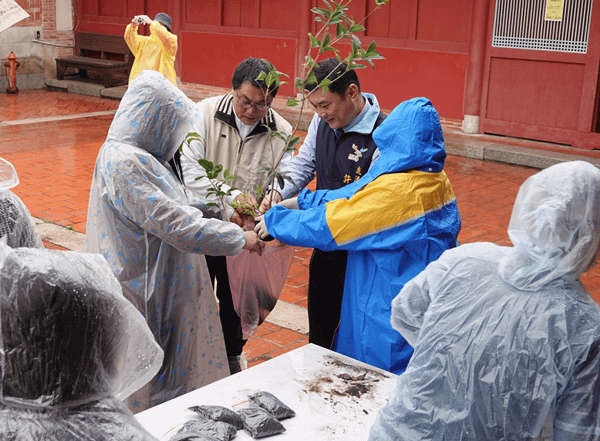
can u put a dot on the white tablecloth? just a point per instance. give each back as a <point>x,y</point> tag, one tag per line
<point>331,398</point>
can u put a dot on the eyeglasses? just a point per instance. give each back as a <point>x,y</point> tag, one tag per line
<point>245,105</point>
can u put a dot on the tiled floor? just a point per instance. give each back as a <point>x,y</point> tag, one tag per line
<point>55,162</point>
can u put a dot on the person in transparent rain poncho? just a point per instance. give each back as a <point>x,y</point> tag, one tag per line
<point>16,223</point>
<point>507,340</point>
<point>140,220</point>
<point>72,348</point>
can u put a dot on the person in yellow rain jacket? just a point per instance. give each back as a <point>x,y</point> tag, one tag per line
<point>156,52</point>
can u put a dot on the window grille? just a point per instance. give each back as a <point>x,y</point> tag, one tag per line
<point>521,24</point>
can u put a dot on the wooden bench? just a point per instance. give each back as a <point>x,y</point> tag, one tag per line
<point>105,54</point>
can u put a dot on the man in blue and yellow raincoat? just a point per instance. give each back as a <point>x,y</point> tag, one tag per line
<point>395,220</point>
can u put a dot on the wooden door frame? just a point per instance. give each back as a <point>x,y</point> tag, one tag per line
<point>584,136</point>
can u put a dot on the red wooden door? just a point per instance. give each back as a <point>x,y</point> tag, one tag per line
<point>545,86</point>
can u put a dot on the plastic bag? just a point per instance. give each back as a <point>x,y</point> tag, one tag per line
<point>259,423</point>
<point>273,405</point>
<point>217,430</point>
<point>219,413</point>
<point>192,436</point>
<point>256,282</point>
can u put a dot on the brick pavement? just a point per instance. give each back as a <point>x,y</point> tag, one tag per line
<point>55,161</point>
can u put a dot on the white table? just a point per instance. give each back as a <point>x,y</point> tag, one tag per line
<point>307,379</point>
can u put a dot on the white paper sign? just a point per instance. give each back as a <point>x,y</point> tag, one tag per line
<point>10,13</point>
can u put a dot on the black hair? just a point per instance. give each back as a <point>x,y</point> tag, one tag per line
<point>332,68</point>
<point>248,71</point>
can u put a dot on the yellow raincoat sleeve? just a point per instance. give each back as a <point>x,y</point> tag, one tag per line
<point>156,52</point>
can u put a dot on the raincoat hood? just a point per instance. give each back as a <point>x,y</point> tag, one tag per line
<point>67,335</point>
<point>154,115</point>
<point>410,138</point>
<point>8,175</point>
<point>554,226</point>
<point>16,223</point>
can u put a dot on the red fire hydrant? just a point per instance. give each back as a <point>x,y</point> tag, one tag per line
<point>12,73</point>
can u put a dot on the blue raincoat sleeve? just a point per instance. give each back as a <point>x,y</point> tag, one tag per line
<point>385,214</point>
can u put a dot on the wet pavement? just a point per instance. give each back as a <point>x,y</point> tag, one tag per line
<point>52,138</point>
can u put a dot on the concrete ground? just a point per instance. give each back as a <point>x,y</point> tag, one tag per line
<point>52,137</point>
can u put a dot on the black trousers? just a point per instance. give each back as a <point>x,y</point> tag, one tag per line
<point>327,271</point>
<point>230,320</point>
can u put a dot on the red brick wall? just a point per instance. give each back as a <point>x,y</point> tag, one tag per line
<point>34,9</point>
<point>43,13</point>
<point>49,31</point>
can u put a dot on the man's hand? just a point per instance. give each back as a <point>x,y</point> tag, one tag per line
<point>253,243</point>
<point>246,204</point>
<point>273,197</point>
<point>237,219</point>
<point>244,211</point>
<point>291,203</point>
<point>141,19</point>
<point>261,228</point>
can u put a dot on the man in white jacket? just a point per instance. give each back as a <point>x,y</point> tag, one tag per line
<point>235,133</point>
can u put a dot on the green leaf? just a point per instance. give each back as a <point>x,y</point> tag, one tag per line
<point>299,84</point>
<point>294,142</point>
<point>311,78</point>
<point>357,28</point>
<point>266,126</point>
<point>323,14</point>
<point>280,135</point>
<point>285,175</point>
<point>341,31</point>
<point>269,80</point>
<point>292,102</point>
<point>282,74</point>
<point>206,164</point>
<point>261,76</point>
<point>336,17</point>
<point>314,42</point>
<point>325,82</point>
